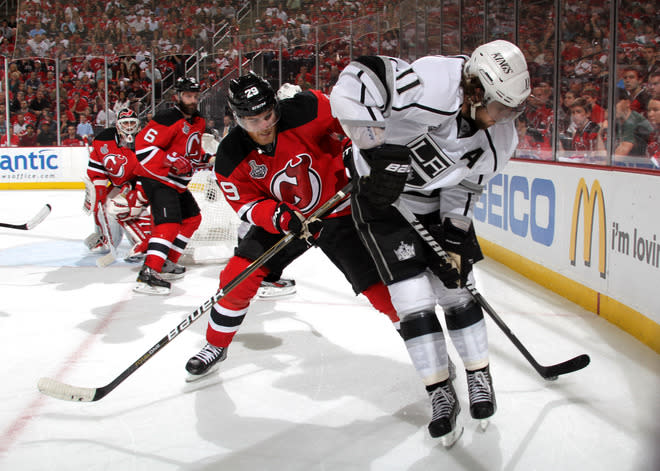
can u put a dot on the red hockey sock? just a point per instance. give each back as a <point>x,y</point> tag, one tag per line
<point>160,244</point>
<point>186,231</point>
<point>379,297</point>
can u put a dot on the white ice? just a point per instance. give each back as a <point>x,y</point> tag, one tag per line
<point>318,381</point>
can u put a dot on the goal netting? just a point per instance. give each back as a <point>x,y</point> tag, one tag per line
<point>216,237</point>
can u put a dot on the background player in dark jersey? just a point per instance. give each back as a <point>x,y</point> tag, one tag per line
<point>111,173</point>
<point>168,149</point>
<point>280,164</point>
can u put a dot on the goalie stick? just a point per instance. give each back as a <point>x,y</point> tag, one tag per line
<point>66,392</point>
<point>550,372</point>
<point>32,223</point>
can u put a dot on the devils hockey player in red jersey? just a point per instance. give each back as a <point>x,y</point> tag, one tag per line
<point>111,171</point>
<point>280,164</point>
<point>169,148</point>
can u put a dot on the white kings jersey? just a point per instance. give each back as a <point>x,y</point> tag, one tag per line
<point>418,105</point>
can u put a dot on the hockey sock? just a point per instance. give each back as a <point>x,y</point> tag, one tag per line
<point>160,244</point>
<point>240,297</point>
<point>379,297</point>
<point>467,330</point>
<point>425,341</point>
<point>227,314</point>
<point>187,229</point>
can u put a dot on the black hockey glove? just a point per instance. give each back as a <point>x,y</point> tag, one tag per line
<point>287,219</point>
<point>390,166</point>
<point>458,238</point>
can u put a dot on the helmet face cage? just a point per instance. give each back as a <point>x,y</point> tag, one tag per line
<point>502,71</point>
<point>127,125</point>
<point>251,95</point>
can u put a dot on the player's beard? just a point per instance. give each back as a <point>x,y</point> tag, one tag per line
<point>188,109</point>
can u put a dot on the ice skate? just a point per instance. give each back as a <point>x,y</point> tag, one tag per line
<point>445,411</point>
<point>172,271</point>
<point>205,362</point>
<point>482,395</point>
<point>149,282</point>
<point>276,289</point>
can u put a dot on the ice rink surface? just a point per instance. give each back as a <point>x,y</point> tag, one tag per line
<point>316,381</point>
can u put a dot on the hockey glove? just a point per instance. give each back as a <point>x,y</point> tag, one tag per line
<point>179,165</point>
<point>390,166</point>
<point>458,238</point>
<point>287,219</point>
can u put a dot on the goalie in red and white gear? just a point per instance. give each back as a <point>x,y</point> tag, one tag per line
<point>112,185</point>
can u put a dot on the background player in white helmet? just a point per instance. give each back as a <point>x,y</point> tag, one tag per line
<point>428,135</point>
<point>112,184</point>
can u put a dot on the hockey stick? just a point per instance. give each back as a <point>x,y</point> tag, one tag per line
<point>32,223</point>
<point>550,372</point>
<point>66,392</point>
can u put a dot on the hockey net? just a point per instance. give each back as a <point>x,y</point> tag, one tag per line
<point>216,237</point>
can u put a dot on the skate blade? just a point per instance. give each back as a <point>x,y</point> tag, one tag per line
<point>144,288</point>
<point>191,378</point>
<point>270,293</point>
<point>452,437</point>
<point>172,276</point>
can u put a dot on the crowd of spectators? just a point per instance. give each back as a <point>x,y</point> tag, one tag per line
<point>584,92</point>
<point>284,37</point>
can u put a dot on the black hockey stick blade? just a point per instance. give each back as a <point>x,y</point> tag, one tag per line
<point>550,372</point>
<point>32,223</point>
<point>569,366</point>
<point>66,392</point>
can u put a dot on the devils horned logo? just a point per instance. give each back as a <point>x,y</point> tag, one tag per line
<point>193,145</point>
<point>298,183</point>
<point>115,164</point>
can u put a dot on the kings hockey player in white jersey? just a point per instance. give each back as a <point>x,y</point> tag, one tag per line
<point>428,135</point>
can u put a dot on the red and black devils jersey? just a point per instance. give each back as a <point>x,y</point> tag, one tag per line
<point>167,133</point>
<point>305,168</point>
<point>109,161</point>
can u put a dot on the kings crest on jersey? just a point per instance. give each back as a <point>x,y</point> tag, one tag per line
<point>304,168</point>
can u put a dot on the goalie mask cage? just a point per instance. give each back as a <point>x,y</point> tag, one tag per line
<point>216,237</point>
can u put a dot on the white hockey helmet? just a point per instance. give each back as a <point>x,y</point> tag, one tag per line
<point>501,68</point>
<point>288,90</point>
<point>128,124</point>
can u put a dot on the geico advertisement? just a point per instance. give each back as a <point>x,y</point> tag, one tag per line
<point>596,227</point>
<point>42,164</point>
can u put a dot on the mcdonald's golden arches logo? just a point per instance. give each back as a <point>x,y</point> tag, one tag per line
<point>587,201</point>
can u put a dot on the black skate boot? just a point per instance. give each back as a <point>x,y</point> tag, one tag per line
<point>172,271</point>
<point>445,411</point>
<point>205,362</point>
<point>482,395</point>
<point>149,282</point>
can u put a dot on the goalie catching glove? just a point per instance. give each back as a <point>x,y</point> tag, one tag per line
<point>458,238</point>
<point>390,166</point>
<point>287,219</point>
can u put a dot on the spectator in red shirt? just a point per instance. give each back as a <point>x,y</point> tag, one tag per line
<point>29,139</point>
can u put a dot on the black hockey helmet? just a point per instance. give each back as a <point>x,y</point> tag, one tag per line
<point>251,95</point>
<point>187,84</point>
